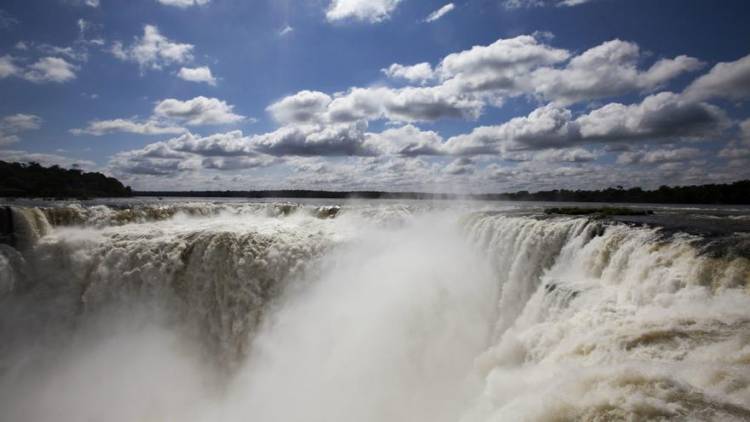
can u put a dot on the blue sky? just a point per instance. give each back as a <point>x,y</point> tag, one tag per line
<point>484,96</point>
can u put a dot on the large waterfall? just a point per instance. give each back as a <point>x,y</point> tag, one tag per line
<point>236,311</point>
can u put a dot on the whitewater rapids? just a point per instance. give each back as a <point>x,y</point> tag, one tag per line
<point>367,311</point>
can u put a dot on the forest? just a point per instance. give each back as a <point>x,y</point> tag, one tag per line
<point>32,180</point>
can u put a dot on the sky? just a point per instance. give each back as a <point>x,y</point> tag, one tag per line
<point>464,96</point>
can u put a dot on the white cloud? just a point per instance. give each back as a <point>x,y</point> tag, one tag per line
<point>12,126</point>
<point>460,166</point>
<point>659,156</point>
<point>153,50</point>
<point>103,127</point>
<point>184,3</point>
<point>229,144</point>
<point>311,140</point>
<point>725,80</point>
<point>421,72</point>
<point>607,70</point>
<point>46,69</point>
<point>197,111</point>
<point>302,107</point>
<point>20,122</point>
<point>286,30</point>
<point>371,11</point>
<point>440,12</point>
<point>8,67</point>
<point>197,74</point>
<point>660,116</point>
<point>92,3</point>
<point>409,104</point>
<point>664,116</point>
<point>500,65</point>
<point>406,140</point>
<point>167,117</point>
<point>50,69</point>
<point>572,155</point>
<point>189,152</point>
<point>525,65</point>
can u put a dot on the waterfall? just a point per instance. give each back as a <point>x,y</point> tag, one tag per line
<point>369,312</point>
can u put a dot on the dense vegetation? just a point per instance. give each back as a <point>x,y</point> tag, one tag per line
<point>34,180</point>
<point>734,193</point>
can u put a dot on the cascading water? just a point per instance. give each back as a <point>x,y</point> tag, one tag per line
<point>369,312</point>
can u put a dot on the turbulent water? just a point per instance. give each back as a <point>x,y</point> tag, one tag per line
<point>371,311</point>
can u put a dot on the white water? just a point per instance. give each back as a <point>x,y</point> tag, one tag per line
<point>270,312</point>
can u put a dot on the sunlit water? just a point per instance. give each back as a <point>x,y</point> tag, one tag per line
<point>203,310</point>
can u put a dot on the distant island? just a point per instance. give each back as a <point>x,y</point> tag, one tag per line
<point>32,180</point>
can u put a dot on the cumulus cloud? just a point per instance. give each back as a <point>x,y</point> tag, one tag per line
<point>103,127</point>
<point>409,104</point>
<point>302,107</point>
<point>167,117</point>
<point>659,156</point>
<point>197,74</point>
<point>664,116</point>
<point>608,70</point>
<point>460,166</point>
<point>571,155</point>
<point>183,3</point>
<point>739,149</point>
<point>371,11</point>
<point>729,80</point>
<point>190,152</point>
<point>46,69</point>
<point>12,126</point>
<point>421,72</point>
<point>525,65</point>
<point>406,140</point>
<point>20,122</point>
<point>8,67</point>
<point>437,14</point>
<point>314,140</point>
<point>230,144</point>
<point>661,116</point>
<point>197,111</point>
<point>500,65</point>
<point>153,50</point>
<point>50,69</point>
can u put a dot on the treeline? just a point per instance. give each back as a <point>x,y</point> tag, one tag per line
<point>734,193</point>
<point>32,180</point>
